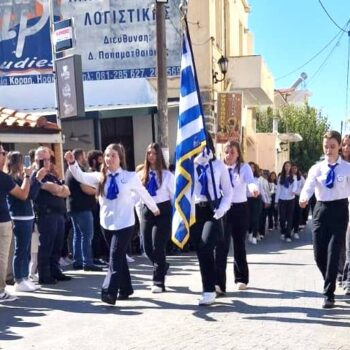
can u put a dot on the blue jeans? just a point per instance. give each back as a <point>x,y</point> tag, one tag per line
<point>22,230</point>
<point>83,232</point>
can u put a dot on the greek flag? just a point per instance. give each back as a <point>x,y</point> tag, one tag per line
<point>190,141</point>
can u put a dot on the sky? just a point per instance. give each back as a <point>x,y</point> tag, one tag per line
<point>288,33</point>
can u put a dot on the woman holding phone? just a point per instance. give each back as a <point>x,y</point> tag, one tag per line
<point>22,215</point>
<point>115,186</point>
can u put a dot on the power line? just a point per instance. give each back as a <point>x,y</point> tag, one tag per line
<point>330,17</point>
<point>326,59</point>
<point>313,57</point>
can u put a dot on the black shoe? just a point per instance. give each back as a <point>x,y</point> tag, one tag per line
<point>125,295</point>
<point>63,277</point>
<point>328,303</point>
<point>77,267</point>
<point>92,268</point>
<point>108,298</point>
<point>167,265</point>
<point>48,280</point>
<point>100,262</point>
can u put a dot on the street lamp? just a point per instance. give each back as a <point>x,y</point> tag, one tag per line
<point>223,65</point>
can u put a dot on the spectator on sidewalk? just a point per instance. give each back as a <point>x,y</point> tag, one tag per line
<point>22,215</point>
<point>8,186</point>
<point>81,202</point>
<point>100,245</point>
<point>50,209</point>
<point>329,180</point>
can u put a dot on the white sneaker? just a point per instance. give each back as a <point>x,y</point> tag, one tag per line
<point>283,237</point>
<point>129,259</point>
<point>207,298</point>
<point>241,286</point>
<point>68,261</point>
<point>32,285</point>
<point>4,297</point>
<point>250,236</point>
<point>288,240</point>
<point>258,237</point>
<point>254,241</point>
<point>156,289</point>
<point>23,287</point>
<point>34,278</point>
<point>296,236</point>
<point>63,262</point>
<point>219,291</point>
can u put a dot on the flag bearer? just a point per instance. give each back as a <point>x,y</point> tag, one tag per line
<point>211,181</point>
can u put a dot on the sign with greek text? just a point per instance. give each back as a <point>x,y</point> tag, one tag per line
<point>116,39</point>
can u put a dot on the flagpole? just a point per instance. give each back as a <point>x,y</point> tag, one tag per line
<point>195,70</point>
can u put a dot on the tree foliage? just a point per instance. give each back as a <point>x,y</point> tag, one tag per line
<point>304,120</point>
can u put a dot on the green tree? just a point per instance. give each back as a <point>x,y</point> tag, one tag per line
<point>304,120</point>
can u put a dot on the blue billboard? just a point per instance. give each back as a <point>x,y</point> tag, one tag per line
<point>116,39</point>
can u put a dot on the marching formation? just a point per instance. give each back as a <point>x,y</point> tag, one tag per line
<point>233,201</point>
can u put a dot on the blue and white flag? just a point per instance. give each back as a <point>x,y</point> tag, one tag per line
<point>190,141</point>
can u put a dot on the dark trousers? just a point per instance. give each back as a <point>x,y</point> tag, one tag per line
<point>255,207</point>
<point>346,273</point>
<point>329,225</point>
<point>204,234</point>
<point>262,220</point>
<point>22,230</point>
<point>51,229</point>
<point>296,215</point>
<point>272,213</point>
<point>156,232</point>
<point>100,247</point>
<point>236,225</point>
<point>118,278</point>
<point>286,212</point>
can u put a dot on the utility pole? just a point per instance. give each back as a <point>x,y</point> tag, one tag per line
<point>162,87</point>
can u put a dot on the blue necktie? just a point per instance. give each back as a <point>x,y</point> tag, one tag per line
<point>113,190</point>
<point>230,171</point>
<point>286,183</point>
<point>152,186</point>
<point>331,175</point>
<point>203,180</point>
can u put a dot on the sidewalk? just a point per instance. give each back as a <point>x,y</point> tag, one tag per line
<point>280,310</point>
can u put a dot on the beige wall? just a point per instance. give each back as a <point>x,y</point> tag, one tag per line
<point>269,154</point>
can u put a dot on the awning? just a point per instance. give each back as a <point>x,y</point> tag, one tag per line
<point>102,94</point>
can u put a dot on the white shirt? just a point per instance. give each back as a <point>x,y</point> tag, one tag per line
<point>222,182</point>
<point>118,213</point>
<point>300,184</point>
<point>264,190</point>
<point>284,193</point>
<point>241,181</point>
<point>316,179</point>
<point>165,191</point>
<point>272,188</point>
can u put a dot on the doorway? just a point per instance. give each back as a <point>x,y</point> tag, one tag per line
<point>119,130</point>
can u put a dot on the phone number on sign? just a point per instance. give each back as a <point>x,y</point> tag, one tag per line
<point>128,73</point>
